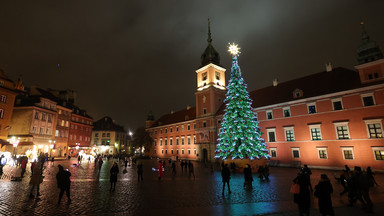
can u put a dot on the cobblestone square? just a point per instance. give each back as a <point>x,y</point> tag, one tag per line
<point>172,195</point>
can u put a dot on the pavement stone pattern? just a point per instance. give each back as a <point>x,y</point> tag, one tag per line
<point>172,195</point>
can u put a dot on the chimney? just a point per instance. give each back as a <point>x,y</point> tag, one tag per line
<point>328,67</point>
<point>188,107</point>
<point>275,82</point>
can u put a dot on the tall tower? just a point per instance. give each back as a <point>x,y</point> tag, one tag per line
<point>370,59</point>
<point>210,94</point>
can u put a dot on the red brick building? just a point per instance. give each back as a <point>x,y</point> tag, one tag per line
<point>80,132</point>
<point>327,119</point>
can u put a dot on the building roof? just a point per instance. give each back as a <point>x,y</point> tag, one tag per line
<point>175,117</point>
<point>210,55</point>
<point>107,124</point>
<point>337,80</point>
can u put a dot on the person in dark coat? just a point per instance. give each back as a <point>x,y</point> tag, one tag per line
<point>371,177</point>
<point>303,199</point>
<point>248,179</point>
<point>64,183</point>
<point>323,192</point>
<point>113,178</point>
<point>140,172</point>
<point>182,166</point>
<point>173,168</point>
<point>191,170</point>
<point>226,176</point>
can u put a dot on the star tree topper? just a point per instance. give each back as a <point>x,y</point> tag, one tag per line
<point>234,49</point>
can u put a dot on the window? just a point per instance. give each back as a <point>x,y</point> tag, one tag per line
<point>189,151</point>
<point>154,142</point>
<point>34,129</point>
<point>287,112</point>
<point>194,139</point>
<point>315,132</point>
<point>170,129</point>
<point>103,134</point>
<point>161,142</point>
<point>182,140</point>
<point>36,115</point>
<point>49,117</point>
<point>379,154</point>
<point>311,108</point>
<point>166,151</point>
<point>182,151</point>
<point>269,114</point>
<point>322,153</point>
<point>368,100</point>
<point>108,134</point>
<point>195,151</point>
<point>204,124</point>
<point>47,131</point>
<point>170,141</point>
<point>295,152</point>
<point>347,153</point>
<point>177,140</point>
<point>337,104</point>
<point>204,111</point>
<point>289,136</point>
<point>271,134</point>
<point>177,151</point>
<point>273,152</point>
<point>161,131</point>
<point>189,127</point>
<point>204,76</point>
<point>177,128</point>
<point>62,122</point>
<point>57,133</point>
<point>342,130</point>
<point>96,134</point>
<point>165,141</point>
<point>194,126</point>
<point>1,113</point>
<point>166,130</point>
<point>374,128</point>
<point>3,98</point>
<point>182,127</point>
<point>162,151</point>
<point>189,140</point>
<point>43,116</point>
<point>41,130</point>
<point>217,75</point>
<point>172,151</point>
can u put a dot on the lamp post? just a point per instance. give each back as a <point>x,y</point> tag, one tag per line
<point>51,146</point>
<point>14,141</point>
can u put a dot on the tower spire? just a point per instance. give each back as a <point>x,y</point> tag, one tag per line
<point>368,50</point>
<point>209,32</point>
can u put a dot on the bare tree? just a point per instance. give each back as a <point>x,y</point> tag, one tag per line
<point>141,138</point>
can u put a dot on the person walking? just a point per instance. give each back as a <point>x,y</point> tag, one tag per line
<point>160,170</point>
<point>79,160</point>
<point>303,199</point>
<point>64,183</point>
<point>248,179</point>
<point>113,178</point>
<point>100,163</point>
<point>23,166</point>
<point>226,176</point>
<point>308,172</point>
<point>140,172</point>
<point>371,177</point>
<point>191,170</point>
<point>323,191</point>
<point>182,166</point>
<point>53,161</point>
<point>125,163</point>
<point>36,180</point>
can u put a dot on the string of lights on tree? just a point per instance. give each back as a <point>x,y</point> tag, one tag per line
<point>240,135</point>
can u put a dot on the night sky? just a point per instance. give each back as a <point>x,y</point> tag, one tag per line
<point>124,58</point>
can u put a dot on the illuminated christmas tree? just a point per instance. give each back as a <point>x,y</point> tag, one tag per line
<point>240,135</point>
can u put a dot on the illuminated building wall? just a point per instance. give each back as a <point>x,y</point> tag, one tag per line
<point>62,131</point>
<point>80,132</point>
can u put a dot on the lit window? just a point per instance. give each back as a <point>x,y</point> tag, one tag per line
<point>182,127</point>
<point>374,128</point>
<point>342,130</point>
<point>322,153</point>
<point>347,153</point>
<point>3,98</point>
<point>315,132</point>
<point>57,133</point>
<point>182,140</point>
<point>269,115</point>
<point>378,153</point>
<point>289,135</point>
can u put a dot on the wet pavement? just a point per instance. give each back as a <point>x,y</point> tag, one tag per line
<point>172,195</point>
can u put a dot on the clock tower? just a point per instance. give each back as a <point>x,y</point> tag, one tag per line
<point>210,95</point>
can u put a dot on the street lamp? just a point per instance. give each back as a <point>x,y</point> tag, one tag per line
<point>51,145</point>
<point>14,142</point>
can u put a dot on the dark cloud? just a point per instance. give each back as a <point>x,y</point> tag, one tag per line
<point>127,57</point>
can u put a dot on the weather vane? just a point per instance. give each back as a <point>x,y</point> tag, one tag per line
<point>234,49</point>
